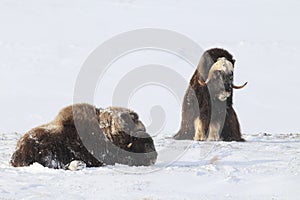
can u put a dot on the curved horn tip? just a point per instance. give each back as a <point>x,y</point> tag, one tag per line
<point>201,83</point>
<point>239,86</point>
<point>129,145</point>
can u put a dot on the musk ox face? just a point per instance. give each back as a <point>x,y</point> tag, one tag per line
<point>220,80</point>
<point>220,85</point>
<point>128,135</point>
<point>142,150</point>
<point>141,142</point>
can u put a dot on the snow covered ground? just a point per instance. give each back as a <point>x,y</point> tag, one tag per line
<point>265,167</point>
<point>43,45</point>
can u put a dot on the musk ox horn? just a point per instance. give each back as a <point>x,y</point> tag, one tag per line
<point>239,86</point>
<point>222,64</point>
<point>202,83</point>
<point>129,145</point>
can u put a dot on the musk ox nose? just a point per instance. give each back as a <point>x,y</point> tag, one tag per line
<point>224,95</point>
<point>152,157</point>
<point>153,161</point>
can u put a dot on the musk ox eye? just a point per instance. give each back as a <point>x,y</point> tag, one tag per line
<point>147,146</point>
<point>231,76</point>
<point>217,74</point>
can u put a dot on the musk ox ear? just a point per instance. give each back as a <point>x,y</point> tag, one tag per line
<point>134,117</point>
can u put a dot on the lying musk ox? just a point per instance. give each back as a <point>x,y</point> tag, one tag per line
<point>88,135</point>
<point>207,112</point>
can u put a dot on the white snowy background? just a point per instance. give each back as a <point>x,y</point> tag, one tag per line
<point>43,45</point>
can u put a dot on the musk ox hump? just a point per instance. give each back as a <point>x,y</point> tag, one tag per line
<point>56,144</point>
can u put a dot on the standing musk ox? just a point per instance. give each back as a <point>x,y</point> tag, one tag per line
<point>207,112</point>
<point>88,135</point>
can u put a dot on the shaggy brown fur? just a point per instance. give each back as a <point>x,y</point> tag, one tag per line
<point>130,144</point>
<point>76,134</point>
<point>57,143</point>
<point>199,101</point>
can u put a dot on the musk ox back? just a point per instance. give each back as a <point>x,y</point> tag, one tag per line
<point>57,143</point>
<point>78,134</point>
<point>207,112</point>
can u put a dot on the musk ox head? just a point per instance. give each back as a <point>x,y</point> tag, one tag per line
<point>220,80</point>
<point>114,120</point>
<point>141,150</point>
<point>131,145</point>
